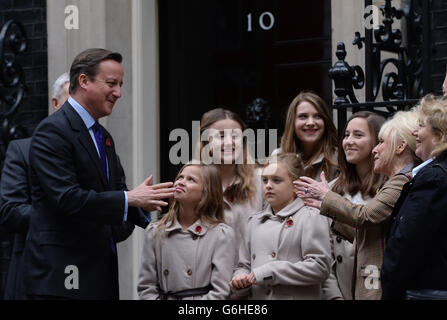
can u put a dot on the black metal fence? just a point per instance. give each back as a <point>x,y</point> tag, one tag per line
<point>13,42</point>
<point>386,89</point>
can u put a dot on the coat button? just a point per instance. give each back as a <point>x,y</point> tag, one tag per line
<point>189,272</point>
<point>254,256</point>
<point>339,259</point>
<point>166,272</point>
<point>273,254</point>
<point>338,239</point>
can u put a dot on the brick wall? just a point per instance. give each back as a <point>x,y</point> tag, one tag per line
<point>32,14</point>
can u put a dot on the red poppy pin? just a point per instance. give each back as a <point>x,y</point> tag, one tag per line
<point>198,229</point>
<point>108,142</point>
<point>289,222</point>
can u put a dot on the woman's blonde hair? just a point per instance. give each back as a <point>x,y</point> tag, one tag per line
<point>400,127</point>
<point>291,161</point>
<point>290,142</point>
<point>210,206</point>
<point>434,109</point>
<point>243,188</point>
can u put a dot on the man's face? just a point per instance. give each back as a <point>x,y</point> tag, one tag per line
<point>57,103</point>
<point>105,89</point>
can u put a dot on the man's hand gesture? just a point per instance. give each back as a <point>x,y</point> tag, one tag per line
<point>149,196</point>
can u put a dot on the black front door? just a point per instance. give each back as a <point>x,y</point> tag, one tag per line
<point>227,53</point>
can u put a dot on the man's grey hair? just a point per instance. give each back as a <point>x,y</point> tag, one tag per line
<point>59,84</point>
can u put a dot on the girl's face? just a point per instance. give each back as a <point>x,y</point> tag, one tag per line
<point>426,139</point>
<point>278,186</point>
<point>227,139</point>
<point>189,186</point>
<point>358,142</point>
<point>309,124</point>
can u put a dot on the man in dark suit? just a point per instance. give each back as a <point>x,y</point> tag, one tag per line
<point>16,210</point>
<point>15,196</point>
<point>78,190</point>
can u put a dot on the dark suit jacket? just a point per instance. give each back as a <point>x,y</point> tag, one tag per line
<point>74,208</point>
<point>416,252</point>
<point>15,210</point>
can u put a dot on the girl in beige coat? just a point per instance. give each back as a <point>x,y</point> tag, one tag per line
<point>189,254</point>
<point>357,183</point>
<point>286,252</point>
<point>223,144</point>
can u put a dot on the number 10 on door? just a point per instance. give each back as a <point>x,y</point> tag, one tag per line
<point>266,21</point>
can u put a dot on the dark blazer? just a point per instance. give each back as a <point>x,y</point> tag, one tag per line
<point>416,252</point>
<point>15,210</point>
<point>74,209</point>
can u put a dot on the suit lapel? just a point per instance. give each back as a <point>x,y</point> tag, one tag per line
<point>85,140</point>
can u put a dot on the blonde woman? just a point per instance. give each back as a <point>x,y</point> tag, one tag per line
<point>393,157</point>
<point>310,132</point>
<point>414,265</point>
<point>189,254</point>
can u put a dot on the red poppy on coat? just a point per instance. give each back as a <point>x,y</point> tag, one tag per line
<point>198,229</point>
<point>289,222</point>
<point>108,143</point>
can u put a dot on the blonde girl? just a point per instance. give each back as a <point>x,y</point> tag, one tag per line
<point>189,253</point>
<point>286,249</point>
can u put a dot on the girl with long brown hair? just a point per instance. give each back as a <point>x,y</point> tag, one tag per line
<point>190,251</point>
<point>310,132</point>
<point>358,183</point>
<point>222,132</point>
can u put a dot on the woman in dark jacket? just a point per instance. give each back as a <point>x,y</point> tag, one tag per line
<point>415,258</point>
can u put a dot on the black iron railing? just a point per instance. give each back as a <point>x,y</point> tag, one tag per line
<point>400,86</point>
<point>13,42</point>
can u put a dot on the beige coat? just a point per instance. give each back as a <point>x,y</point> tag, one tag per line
<point>371,224</point>
<point>289,253</point>
<point>339,283</point>
<point>187,259</point>
<point>236,214</point>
